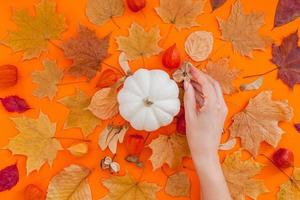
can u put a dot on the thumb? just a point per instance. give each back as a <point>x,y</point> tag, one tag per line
<point>189,100</point>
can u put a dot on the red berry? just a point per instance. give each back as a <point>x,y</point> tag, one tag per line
<point>135,144</point>
<point>171,57</point>
<point>136,5</point>
<point>283,158</point>
<point>180,125</point>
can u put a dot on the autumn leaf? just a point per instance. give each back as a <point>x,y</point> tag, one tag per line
<point>297,127</point>
<point>168,149</point>
<point>111,136</point>
<point>70,184</point>
<point>9,177</point>
<point>87,51</point>
<point>239,176</point>
<point>290,190</point>
<point>42,147</point>
<point>100,11</point>
<point>254,85</point>
<point>258,122</point>
<point>216,3</point>
<point>14,104</point>
<point>79,116</point>
<point>79,150</point>
<point>125,187</point>
<point>287,58</point>
<point>178,185</point>
<point>34,33</point>
<point>286,11</point>
<point>104,104</point>
<point>181,13</point>
<point>199,45</point>
<point>221,72</point>
<point>47,80</point>
<point>139,43</point>
<point>242,30</point>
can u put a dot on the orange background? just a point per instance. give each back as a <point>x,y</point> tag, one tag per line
<point>74,11</point>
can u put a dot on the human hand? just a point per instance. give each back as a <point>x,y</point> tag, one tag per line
<point>204,124</point>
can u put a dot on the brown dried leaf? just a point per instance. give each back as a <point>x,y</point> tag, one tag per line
<point>79,116</point>
<point>100,11</point>
<point>181,13</point>
<point>178,185</point>
<point>290,190</point>
<point>139,43</point>
<point>87,52</point>
<point>239,176</point>
<point>168,149</point>
<point>125,187</point>
<point>47,80</point>
<point>199,45</point>
<point>70,184</point>
<point>258,122</point>
<point>221,72</point>
<point>242,30</point>
<point>104,104</point>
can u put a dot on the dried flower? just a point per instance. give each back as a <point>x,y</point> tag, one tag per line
<point>183,73</point>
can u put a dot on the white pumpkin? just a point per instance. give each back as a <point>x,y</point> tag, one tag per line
<point>149,99</point>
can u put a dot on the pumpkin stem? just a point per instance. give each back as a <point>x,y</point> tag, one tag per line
<point>147,102</point>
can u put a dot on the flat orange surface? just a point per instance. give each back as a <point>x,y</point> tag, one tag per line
<point>74,11</point>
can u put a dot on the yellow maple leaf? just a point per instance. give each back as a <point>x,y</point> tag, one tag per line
<point>79,116</point>
<point>125,187</point>
<point>242,30</point>
<point>221,72</point>
<point>291,189</point>
<point>36,141</point>
<point>258,122</point>
<point>47,80</point>
<point>181,13</point>
<point>70,184</point>
<point>100,11</point>
<point>178,185</point>
<point>139,43</point>
<point>239,176</point>
<point>168,149</point>
<point>35,32</point>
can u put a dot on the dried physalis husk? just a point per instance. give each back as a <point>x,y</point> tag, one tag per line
<point>79,149</point>
<point>114,167</point>
<point>254,85</point>
<point>183,73</point>
<point>105,162</point>
<point>8,76</point>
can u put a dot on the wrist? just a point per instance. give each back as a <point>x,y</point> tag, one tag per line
<point>206,161</point>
